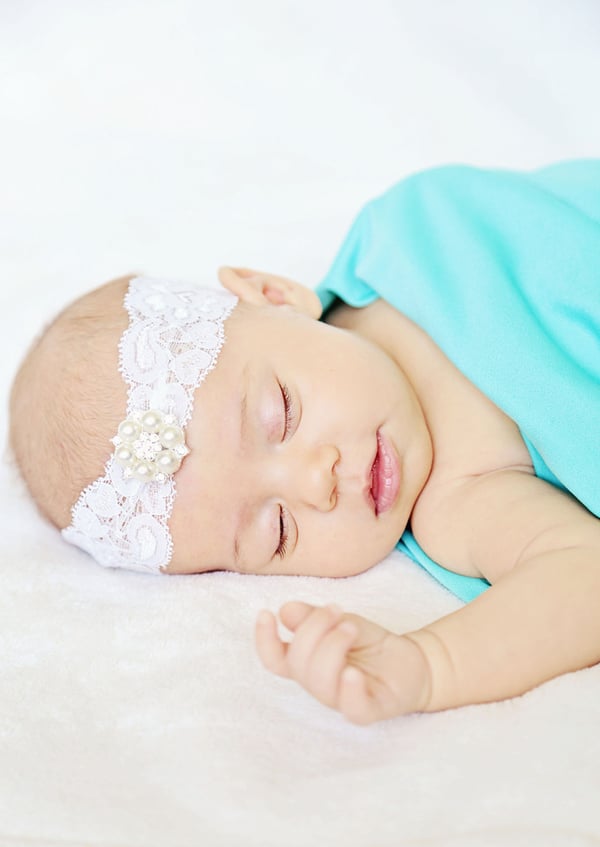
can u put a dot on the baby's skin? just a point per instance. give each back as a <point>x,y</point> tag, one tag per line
<point>477,508</point>
<point>283,440</point>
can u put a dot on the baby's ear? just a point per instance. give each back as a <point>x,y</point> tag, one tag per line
<point>260,288</point>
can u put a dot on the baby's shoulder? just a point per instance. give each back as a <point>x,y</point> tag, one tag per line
<point>486,525</point>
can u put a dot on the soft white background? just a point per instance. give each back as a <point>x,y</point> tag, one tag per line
<point>169,138</point>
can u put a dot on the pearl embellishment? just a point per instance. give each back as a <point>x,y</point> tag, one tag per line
<point>150,445</point>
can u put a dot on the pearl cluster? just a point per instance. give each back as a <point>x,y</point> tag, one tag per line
<point>150,445</point>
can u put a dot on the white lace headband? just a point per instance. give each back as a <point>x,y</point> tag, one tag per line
<point>173,340</point>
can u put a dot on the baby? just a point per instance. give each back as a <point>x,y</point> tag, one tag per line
<point>449,397</point>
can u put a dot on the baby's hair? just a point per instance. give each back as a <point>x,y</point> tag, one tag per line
<point>67,399</point>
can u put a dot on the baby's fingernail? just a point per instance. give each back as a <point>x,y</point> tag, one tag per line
<point>333,607</point>
<point>263,618</point>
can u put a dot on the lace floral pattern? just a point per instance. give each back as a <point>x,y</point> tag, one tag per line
<point>173,341</point>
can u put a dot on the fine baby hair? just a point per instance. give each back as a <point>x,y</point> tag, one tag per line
<point>62,400</point>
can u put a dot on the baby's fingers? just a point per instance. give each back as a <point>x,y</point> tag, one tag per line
<point>289,660</point>
<point>271,650</point>
<point>316,654</point>
<point>308,638</point>
<point>355,702</point>
<point>324,672</point>
<point>294,613</point>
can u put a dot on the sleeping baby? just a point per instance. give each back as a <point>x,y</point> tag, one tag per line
<point>439,392</point>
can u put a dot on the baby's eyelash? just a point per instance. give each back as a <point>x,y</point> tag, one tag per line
<point>283,535</point>
<point>290,411</point>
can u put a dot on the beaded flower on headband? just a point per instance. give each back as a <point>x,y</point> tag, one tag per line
<point>149,445</point>
<point>173,341</point>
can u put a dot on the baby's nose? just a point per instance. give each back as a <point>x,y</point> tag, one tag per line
<point>310,476</point>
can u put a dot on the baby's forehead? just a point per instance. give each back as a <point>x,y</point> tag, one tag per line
<point>254,328</point>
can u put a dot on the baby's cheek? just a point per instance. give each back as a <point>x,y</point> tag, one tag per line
<point>353,552</point>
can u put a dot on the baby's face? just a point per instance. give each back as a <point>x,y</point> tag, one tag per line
<point>283,438</point>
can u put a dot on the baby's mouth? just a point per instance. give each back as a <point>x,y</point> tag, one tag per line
<point>385,475</point>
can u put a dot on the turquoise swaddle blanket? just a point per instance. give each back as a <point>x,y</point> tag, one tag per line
<point>502,269</point>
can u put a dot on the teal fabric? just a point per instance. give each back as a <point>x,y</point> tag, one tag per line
<point>502,269</point>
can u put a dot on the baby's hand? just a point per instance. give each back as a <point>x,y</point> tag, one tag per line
<point>347,662</point>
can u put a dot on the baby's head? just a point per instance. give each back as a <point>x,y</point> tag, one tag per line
<point>66,397</point>
<point>283,418</point>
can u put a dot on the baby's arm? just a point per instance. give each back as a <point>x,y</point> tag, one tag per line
<point>539,619</point>
<point>541,550</point>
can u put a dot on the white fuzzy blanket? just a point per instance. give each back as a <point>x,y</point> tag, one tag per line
<point>169,138</point>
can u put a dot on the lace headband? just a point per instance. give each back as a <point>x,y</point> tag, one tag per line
<point>173,341</point>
